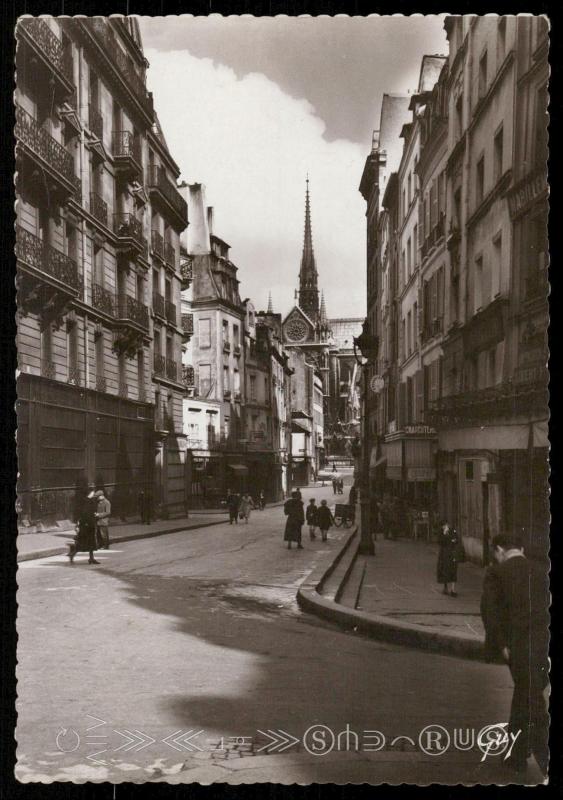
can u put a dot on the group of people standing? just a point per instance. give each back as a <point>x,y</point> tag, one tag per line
<point>315,516</point>
<point>92,527</point>
<point>240,506</point>
<point>338,486</point>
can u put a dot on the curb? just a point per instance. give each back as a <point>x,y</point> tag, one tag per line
<point>379,627</point>
<point>63,549</point>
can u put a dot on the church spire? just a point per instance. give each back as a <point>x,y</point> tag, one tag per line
<point>308,290</point>
<point>323,318</point>
<point>270,305</point>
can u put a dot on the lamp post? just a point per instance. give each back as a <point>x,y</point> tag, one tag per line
<point>367,345</point>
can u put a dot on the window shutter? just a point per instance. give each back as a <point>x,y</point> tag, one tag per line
<point>434,285</point>
<point>440,293</point>
<point>434,377</point>
<point>420,224</point>
<point>420,320</point>
<point>402,340</point>
<point>427,216</point>
<point>419,414</point>
<point>402,405</point>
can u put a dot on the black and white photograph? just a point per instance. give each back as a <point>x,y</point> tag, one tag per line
<point>283,511</point>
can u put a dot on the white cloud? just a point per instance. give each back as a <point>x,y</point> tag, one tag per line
<point>252,145</point>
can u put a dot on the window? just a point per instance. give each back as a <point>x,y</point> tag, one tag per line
<point>204,333</point>
<point>156,281</point>
<point>415,240</point>
<point>409,333</point>
<point>205,380</point>
<point>140,288</point>
<point>433,205</point>
<point>478,288</point>
<point>498,154</point>
<point>72,344</point>
<point>266,391</point>
<point>483,74</point>
<point>225,331</point>
<point>98,265</point>
<point>501,40</point>
<point>540,137</point>
<point>409,259</point>
<point>497,265</point>
<point>169,348</point>
<point>47,367</point>
<point>141,375</point>
<point>252,383</point>
<point>414,325</point>
<point>99,352</point>
<point>236,381</point>
<point>71,242</point>
<point>469,470</point>
<point>226,381</point>
<point>480,179</point>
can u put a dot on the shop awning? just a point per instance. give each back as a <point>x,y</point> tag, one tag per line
<point>238,467</point>
<point>297,427</point>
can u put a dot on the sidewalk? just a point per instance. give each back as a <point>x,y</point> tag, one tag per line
<point>43,545</point>
<point>393,596</point>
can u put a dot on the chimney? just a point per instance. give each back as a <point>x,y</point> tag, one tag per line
<point>210,219</point>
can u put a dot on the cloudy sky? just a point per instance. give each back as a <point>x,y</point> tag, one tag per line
<point>250,106</point>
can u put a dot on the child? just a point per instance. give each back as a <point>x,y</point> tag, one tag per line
<point>324,519</point>
<point>311,517</point>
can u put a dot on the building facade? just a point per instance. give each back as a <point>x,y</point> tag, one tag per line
<point>98,224</point>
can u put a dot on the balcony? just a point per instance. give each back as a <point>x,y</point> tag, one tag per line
<point>42,263</point>
<point>48,369</point>
<point>56,177</point>
<point>98,208</point>
<point>187,326</point>
<point>169,255</point>
<point>55,68</point>
<point>127,155</point>
<point>96,122</point>
<point>158,305</point>
<point>186,271</point>
<point>171,314</point>
<point>159,365</point>
<point>103,300</point>
<point>132,312</point>
<point>188,377</point>
<point>171,369</point>
<point>167,197</point>
<point>100,29</point>
<point>226,347</point>
<point>74,375</point>
<point>237,350</point>
<point>157,244</point>
<point>129,231</point>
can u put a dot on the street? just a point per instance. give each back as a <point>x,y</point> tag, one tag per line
<point>178,657</point>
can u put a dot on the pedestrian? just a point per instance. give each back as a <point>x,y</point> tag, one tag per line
<point>325,519</point>
<point>334,466</point>
<point>103,513</point>
<point>262,501</point>
<point>293,509</point>
<point>85,539</point>
<point>448,558</point>
<point>245,507</point>
<point>233,503</point>
<point>514,608</point>
<point>311,517</point>
<point>341,486</point>
<point>299,497</point>
<point>334,485</point>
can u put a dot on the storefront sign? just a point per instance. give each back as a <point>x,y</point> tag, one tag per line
<point>377,383</point>
<point>420,429</point>
<point>525,193</point>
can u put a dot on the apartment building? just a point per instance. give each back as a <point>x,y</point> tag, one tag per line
<point>99,386</point>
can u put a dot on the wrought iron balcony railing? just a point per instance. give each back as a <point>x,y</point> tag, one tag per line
<point>48,369</point>
<point>96,121</point>
<point>32,251</point>
<point>125,67</point>
<point>103,299</point>
<point>49,44</point>
<point>158,305</point>
<point>171,369</point>
<point>101,383</point>
<point>74,375</point>
<point>186,272</point>
<point>159,365</point>
<point>124,144</point>
<point>157,243</point>
<point>188,324</point>
<point>169,254</point>
<point>188,377</point>
<point>123,389</point>
<point>158,181</point>
<point>132,310</point>
<point>42,144</point>
<point>171,314</point>
<point>127,225</point>
<point>98,208</point>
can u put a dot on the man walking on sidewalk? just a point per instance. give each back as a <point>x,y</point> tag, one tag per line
<point>293,509</point>
<point>233,503</point>
<point>103,513</point>
<point>515,613</point>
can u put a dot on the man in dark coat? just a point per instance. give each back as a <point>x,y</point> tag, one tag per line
<point>448,557</point>
<point>85,540</point>
<point>293,509</point>
<point>516,617</point>
<point>233,504</point>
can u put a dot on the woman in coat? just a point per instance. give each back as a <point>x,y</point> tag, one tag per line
<point>85,539</point>
<point>293,509</point>
<point>246,506</point>
<point>324,519</point>
<point>448,557</point>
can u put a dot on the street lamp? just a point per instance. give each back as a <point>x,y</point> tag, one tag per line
<point>367,346</point>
